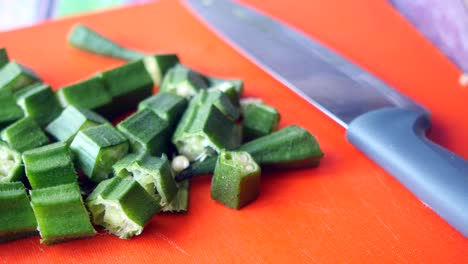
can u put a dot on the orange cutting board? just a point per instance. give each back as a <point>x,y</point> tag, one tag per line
<point>346,211</point>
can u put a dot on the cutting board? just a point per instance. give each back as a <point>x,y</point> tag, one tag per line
<point>348,210</point>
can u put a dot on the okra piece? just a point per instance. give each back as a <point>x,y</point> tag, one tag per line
<point>222,102</point>
<point>146,132</point>
<point>128,85</point>
<point>3,57</point>
<point>14,77</point>
<point>232,88</point>
<point>84,38</point>
<point>9,110</point>
<point>96,149</point>
<point>61,214</point>
<point>153,174</point>
<point>290,147</point>
<point>24,134</point>
<point>236,179</point>
<point>39,102</point>
<point>259,119</point>
<point>50,165</point>
<point>183,81</point>
<point>179,203</point>
<point>203,130</point>
<point>16,215</point>
<point>73,119</point>
<point>121,206</point>
<point>168,106</point>
<point>11,169</point>
<point>90,94</point>
<point>158,64</point>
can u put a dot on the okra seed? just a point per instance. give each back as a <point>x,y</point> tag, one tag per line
<point>180,163</point>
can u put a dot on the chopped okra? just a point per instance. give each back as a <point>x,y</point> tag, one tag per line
<point>39,102</point>
<point>61,214</point>
<point>71,120</point>
<point>3,57</point>
<point>11,169</point>
<point>180,201</point>
<point>222,102</point>
<point>146,132</point>
<point>24,134</point>
<point>121,206</point>
<point>154,175</point>
<point>96,149</point>
<point>16,215</point>
<point>232,88</point>
<point>14,77</point>
<point>183,81</point>
<point>157,65</point>
<point>259,119</point>
<point>236,179</point>
<point>49,166</point>
<point>168,106</point>
<point>9,110</point>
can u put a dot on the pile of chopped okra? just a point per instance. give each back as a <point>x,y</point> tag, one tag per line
<point>64,168</point>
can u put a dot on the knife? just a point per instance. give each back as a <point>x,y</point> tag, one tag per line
<point>382,123</point>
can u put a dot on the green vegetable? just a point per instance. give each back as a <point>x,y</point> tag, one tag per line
<point>183,81</point>
<point>259,119</point>
<point>232,88</point>
<point>90,94</point>
<point>157,65</point>
<point>203,130</point>
<point>39,102</point>
<point>14,77</point>
<point>9,110</point>
<point>3,57</point>
<point>61,214</point>
<point>290,147</point>
<point>16,215</point>
<point>11,169</point>
<point>82,37</point>
<point>121,206</point>
<point>50,165</point>
<point>169,107</point>
<point>180,201</point>
<point>236,179</point>
<point>97,148</point>
<point>24,134</point>
<point>71,120</point>
<point>147,132</point>
<point>154,174</point>
<point>222,102</point>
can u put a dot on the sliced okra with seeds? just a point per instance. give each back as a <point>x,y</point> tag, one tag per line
<point>96,149</point>
<point>236,179</point>
<point>9,110</point>
<point>121,206</point>
<point>24,134</point>
<point>61,214</point>
<point>50,165</point>
<point>14,77</point>
<point>11,168</point>
<point>158,64</point>
<point>168,106</point>
<point>259,119</point>
<point>232,88</point>
<point>3,57</point>
<point>16,215</point>
<point>71,120</point>
<point>180,202</point>
<point>183,81</point>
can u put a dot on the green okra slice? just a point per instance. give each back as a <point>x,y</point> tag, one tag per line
<point>222,102</point>
<point>16,215</point>
<point>232,88</point>
<point>183,81</point>
<point>39,102</point>
<point>71,120</point>
<point>9,110</point>
<point>259,119</point>
<point>121,206</point>
<point>128,85</point>
<point>158,64</point>
<point>50,165</point>
<point>11,168</point>
<point>61,214</point>
<point>154,175</point>
<point>14,77</point>
<point>3,57</point>
<point>146,132</point>
<point>203,130</point>
<point>180,202</point>
<point>236,179</point>
<point>90,94</point>
<point>168,106</point>
<point>24,134</point>
<point>96,149</point>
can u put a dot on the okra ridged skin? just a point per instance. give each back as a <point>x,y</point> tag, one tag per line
<point>222,102</point>
<point>168,106</point>
<point>11,168</point>
<point>17,219</point>
<point>9,110</point>
<point>236,179</point>
<point>24,134</point>
<point>122,206</point>
<point>146,132</point>
<point>71,121</point>
<point>183,81</point>
<point>96,149</point>
<point>14,77</point>
<point>3,57</point>
<point>61,214</point>
<point>50,165</point>
<point>158,64</point>
<point>232,88</point>
<point>259,120</point>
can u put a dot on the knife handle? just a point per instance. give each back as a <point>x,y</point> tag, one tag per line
<point>395,139</point>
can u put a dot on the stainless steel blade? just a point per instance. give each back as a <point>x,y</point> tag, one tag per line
<point>336,86</point>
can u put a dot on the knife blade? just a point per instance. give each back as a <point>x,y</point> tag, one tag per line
<point>385,125</point>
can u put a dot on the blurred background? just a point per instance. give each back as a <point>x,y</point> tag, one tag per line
<point>443,22</point>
